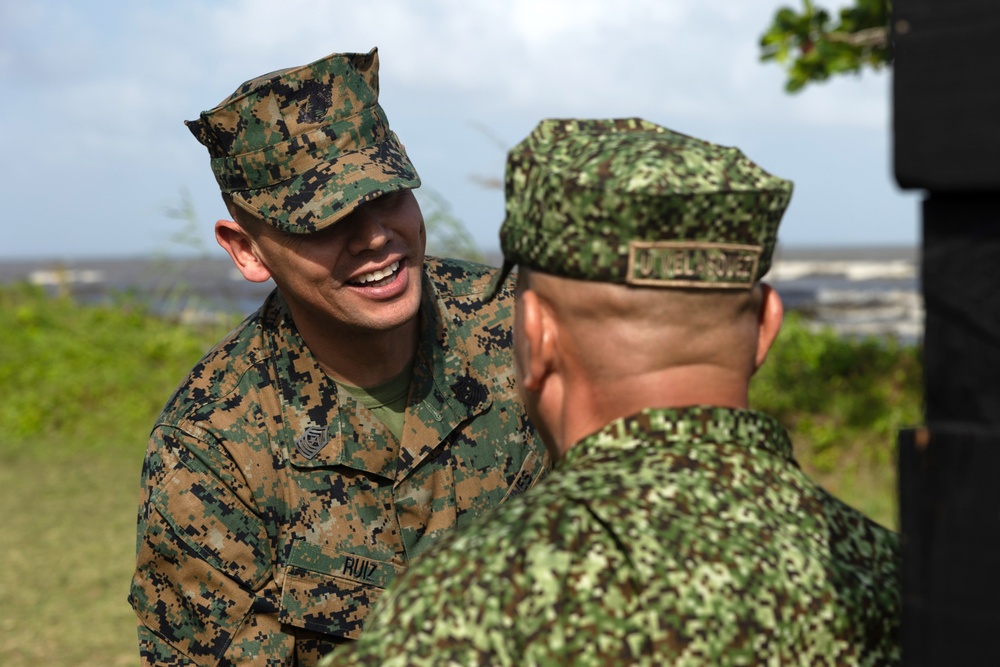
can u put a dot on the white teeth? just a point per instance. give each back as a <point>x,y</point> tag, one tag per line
<point>378,275</point>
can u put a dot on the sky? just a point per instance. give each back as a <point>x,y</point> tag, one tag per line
<point>94,94</point>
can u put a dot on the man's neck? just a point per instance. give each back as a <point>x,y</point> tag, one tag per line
<point>591,406</point>
<point>363,358</point>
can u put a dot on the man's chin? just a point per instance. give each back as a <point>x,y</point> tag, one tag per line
<point>540,427</point>
<point>550,446</point>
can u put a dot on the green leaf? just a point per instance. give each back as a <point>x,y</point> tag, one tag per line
<point>811,46</point>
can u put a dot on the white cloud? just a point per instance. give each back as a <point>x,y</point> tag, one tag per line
<point>547,57</point>
<point>99,91</point>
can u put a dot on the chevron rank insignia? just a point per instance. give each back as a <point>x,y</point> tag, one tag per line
<point>311,441</point>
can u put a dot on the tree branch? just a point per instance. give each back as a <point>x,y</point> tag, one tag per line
<point>874,38</point>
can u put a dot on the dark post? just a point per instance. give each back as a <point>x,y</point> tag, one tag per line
<point>946,107</point>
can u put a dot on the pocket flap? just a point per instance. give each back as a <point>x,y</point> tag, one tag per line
<point>330,590</point>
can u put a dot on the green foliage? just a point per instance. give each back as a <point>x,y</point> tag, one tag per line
<point>446,235</point>
<point>870,385</point>
<point>813,47</point>
<point>68,551</point>
<point>184,247</point>
<point>188,236</point>
<point>81,379</point>
<point>83,384</point>
<point>78,377</point>
<point>843,401</point>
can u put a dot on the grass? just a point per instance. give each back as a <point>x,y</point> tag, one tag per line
<point>68,551</point>
<point>843,401</point>
<point>85,378</point>
<point>82,385</point>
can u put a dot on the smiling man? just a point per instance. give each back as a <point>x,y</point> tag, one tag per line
<point>364,410</point>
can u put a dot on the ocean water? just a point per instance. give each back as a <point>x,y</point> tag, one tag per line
<point>858,291</point>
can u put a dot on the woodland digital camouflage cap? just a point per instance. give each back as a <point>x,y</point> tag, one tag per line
<point>303,147</point>
<point>628,201</point>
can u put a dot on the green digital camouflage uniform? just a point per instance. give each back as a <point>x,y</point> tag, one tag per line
<point>682,535</point>
<point>275,510</point>
<point>670,537</point>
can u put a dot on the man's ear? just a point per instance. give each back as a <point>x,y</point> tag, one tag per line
<point>243,249</point>
<point>772,311</point>
<point>538,340</point>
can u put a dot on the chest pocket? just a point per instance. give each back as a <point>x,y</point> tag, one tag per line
<point>331,591</point>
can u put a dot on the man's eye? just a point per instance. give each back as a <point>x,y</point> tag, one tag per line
<point>390,198</point>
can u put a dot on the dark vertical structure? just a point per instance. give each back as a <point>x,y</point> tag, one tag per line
<point>946,105</point>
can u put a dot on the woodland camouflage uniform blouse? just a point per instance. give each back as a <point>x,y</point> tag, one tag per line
<point>275,510</point>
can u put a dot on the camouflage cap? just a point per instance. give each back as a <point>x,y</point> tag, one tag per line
<point>628,201</point>
<point>303,147</point>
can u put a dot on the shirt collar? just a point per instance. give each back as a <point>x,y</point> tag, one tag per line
<point>321,427</point>
<point>687,426</point>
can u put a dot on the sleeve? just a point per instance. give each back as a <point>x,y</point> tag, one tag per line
<point>203,589</point>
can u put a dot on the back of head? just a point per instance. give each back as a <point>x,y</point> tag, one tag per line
<point>650,238</point>
<point>615,332</point>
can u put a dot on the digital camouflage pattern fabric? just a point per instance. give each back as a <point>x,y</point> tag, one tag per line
<point>628,201</point>
<point>670,537</point>
<point>275,510</point>
<point>303,147</point>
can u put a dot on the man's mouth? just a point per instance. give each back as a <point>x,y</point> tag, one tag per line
<point>378,278</point>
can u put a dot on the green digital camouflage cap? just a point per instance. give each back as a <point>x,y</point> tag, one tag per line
<point>303,147</point>
<point>628,201</point>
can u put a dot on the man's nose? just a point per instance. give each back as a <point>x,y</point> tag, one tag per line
<point>370,232</point>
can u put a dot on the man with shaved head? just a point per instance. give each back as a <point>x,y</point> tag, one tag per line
<point>675,527</point>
